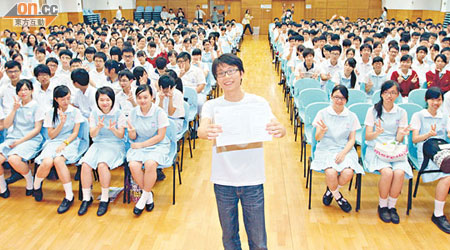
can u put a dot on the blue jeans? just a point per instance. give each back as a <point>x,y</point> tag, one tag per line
<point>252,201</point>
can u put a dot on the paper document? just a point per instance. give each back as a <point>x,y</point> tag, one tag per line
<point>242,124</point>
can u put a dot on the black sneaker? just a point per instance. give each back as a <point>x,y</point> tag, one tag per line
<point>5,194</point>
<point>327,197</point>
<point>383,213</point>
<point>394,216</point>
<point>84,206</point>
<point>37,193</point>
<point>65,205</point>
<point>343,204</point>
<point>442,223</point>
<point>14,177</point>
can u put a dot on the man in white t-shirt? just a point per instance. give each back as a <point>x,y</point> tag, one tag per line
<point>237,170</point>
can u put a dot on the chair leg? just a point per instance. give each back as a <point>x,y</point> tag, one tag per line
<point>410,183</point>
<point>308,176</point>
<point>304,157</point>
<point>173,186</point>
<point>190,146</point>
<point>301,151</point>
<point>310,188</point>
<point>80,194</point>
<point>295,129</point>
<point>182,152</point>
<point>417,184</point>
<point>350,185</point>
<point>179,173</point>
<point>358,192</point>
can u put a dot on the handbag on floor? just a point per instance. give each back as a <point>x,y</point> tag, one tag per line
<point>438,151</point>
<point>391,151</point>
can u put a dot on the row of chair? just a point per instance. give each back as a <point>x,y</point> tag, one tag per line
<point>148,13</point>
<point>90,17</point>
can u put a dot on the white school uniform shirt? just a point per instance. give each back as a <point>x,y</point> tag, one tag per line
<point>85,101</point>
<point>332,69</point>
<point>445,107</point>
<point>193,77</point>
<point>43,97</point>
<point>177,102</point>
<point>123,103</point>
<point>421,69</point>
<point>99,78</point>
<point>175,68</point>
<point>308,73</point>
<point>90,65</point>
<point>394,67</point>
<point>363,68</point>
<point>7,95</point>
<point>59,79</point>
<point>241,167</point>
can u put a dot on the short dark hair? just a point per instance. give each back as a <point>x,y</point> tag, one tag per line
<point>228,59</point>
<point>185,56</point>
<point>41,69</point>
<point>80,76</point>
<point>100,55</point>
<point>11,64</point>
<point>166,81</point>
<point>160,62</point>
<point>127,73</point>
<point>128,49</point>
<point>23,82</point>
<point>105,91</point>
<point>51,59</point>
<point>75,60</point>
<point>65,52</point>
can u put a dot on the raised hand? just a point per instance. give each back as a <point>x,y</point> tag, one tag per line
<point>432,131</point>
<point>404,131</point>
<point>130,97</point>
<point>323,127</point>
<point>17,103</point>
<point>62,116</point>
<point>129,126</point>
<point>101,122</point>
<point>400,79</point>
<point>378,129</point>
<point>112,125</point>
<point>414,80</point>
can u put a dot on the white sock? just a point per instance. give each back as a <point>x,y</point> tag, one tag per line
<point>29,178</point>
<point>2,184</point>
<point>383,202</point>
<point>105,195</point>
<point>68,190</point>
<point>336,193</point>
<point>439,208</point>
<point>150,198</point>
<point>86,194</point>
<point>37,182</point>
<point>391,202</point>
<point>141,202</point>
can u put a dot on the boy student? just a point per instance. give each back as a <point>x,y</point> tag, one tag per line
<point>97,75</point>
<point>84,98</point>
<point>237,170</point>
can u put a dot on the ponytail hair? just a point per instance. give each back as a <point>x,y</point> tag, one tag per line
<point>58,92</point>
<point>113,64</point>
<point>352,63</point>
<point>384,87</point>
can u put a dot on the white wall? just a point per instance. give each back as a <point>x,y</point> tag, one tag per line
<point>109,4</point>
<point>413,4</point>
<point>67,6</point>
<point>445,7</point>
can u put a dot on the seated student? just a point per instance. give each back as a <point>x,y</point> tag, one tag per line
<point>150,147</point>
<point>112,69</point>
<point>172,55</point>
<point>307,69</point>
<point>23,140</point>
<point>115,54</point>
<point>439,77</point>
<point>126,98</point>
<point>107,127</point>
<point>364,63</point>
<point>13,70</point>
<point>298,59</point>
<point>84,97</point>
<point>392,64</point>
<point>43,92</point>
<point>89,58</point>
<point>97,76</point>
<point>426,124</point>
<point>128,57</point>
<point>376,77</point>
<point>178,81</point>
<point>142,77</point>
<point>335,152</point>
<point>64,56</point>
<point>386,122</point>
<point>332,66</point>
<point>63,124</point>
<point>192,77</point>
<point>171,100</point>
<point>142,61</point>
<point>26,72</point>
<point>196,56</point>
<point>419,64</point>
<point>405,76</point>
<point>347,75</point>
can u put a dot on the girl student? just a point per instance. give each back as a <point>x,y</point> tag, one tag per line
<point>107,128</point>
<point>63,124</point>
<point>386,122</point>
<point>24,140</point>
<point>432,123</point>
<point>347,76</point>
<point>335,132</point>
<point>405,76</point>
<point>171,100</point>
<point>150,147</point>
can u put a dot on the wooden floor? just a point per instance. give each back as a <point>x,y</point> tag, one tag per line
<point>193,222</point>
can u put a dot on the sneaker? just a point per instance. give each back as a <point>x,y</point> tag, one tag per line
<point>343,204</point>
<point>442,223</point>
<point>394,216</point>
<point>383,213</point>
<point>327,197</point>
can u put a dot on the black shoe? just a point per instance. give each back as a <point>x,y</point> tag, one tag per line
<point>102,208</point>
<point>442,223</point>
<point>343,204</point>
<point>137,211</point>
<point>149,207</point>
<point>160,176</point>
<point>37,193</point>
<point>394,216</point>
<point>28,192</point>
<point>327,197</point>
<point>65,205</point>
<point>384,214</point>
<point>84,206</point>
<point>5,194</point>
<point>13,178</point>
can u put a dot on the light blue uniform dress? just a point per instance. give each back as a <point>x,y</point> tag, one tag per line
<point>335,139</point>
<point>377,81</point>
<point>422,121</point>
<point>23,124</point>
<point>147,127</point>
<point>207,59</point>
<point>107,148</point>
<point>390,122</point>
<point>70,152</point>
<point>340,78</point>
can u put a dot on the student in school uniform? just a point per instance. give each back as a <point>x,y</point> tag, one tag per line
<point>307,69</point>
<point>335,132</point>
<point>112,69</point>
<point>386,122</point>
<point>63,124</point>
<point>84,96</point>
<point>43,91</point>
<point>405,76</point>
<point>375,78</point>
<point>432,123</point>
<point>171,100</point>
<point>107,128</point>
<point>347,76</point>
<point>126,99</point>
<point>150,147</point>
<point>23,141</point>
<point>439,77</point>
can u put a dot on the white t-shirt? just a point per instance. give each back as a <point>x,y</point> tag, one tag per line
<point>177,102</point>
<point>236,165</point>
<point>193,77</point>
<point>85,101</point>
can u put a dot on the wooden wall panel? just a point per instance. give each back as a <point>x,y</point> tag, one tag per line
<point>437,16</point>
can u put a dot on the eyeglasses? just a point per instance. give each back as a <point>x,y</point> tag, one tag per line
<point>181,61</point>
<point>13,71</point>
<point>338,98</point>
<point>390,93</point>
<point>227,72</point>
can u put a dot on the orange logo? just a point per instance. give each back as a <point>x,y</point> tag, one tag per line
<point>29,14</point>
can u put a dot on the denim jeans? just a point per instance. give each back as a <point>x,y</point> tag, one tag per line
<point>252,201</point>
